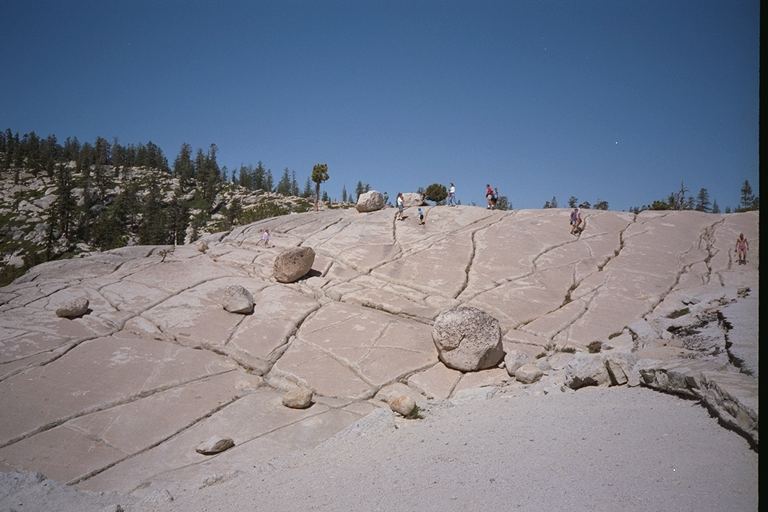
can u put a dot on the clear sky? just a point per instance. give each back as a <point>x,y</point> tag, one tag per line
<point>600,99</point>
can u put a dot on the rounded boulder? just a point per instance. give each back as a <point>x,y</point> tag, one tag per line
<point>370,201</point>
<point>293,264</point>
<point>468,339</point>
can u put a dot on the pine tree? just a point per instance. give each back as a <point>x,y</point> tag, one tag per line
<point>284,185</point>
<point>294,184</point>
<point>715,207</point>
<point>702,200</point>
<point>307,189</point>
<point>343,193</point>
<point>319,175</point>
<point>183,168</point>
<point>747,197</point>
<point>572,201</point>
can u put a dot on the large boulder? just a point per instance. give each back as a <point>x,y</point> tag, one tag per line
<point>293,264</point>
<point>370,201</point>
<point>413,199</point>
<point>468,339</point>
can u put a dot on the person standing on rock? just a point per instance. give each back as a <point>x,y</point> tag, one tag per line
<point>490,197</point>
<point>400,204</point>
<point>742,246</point>
<point>264,238</point>
<point>421,216</point>
<point>452,195</point>
<point>575,221</point>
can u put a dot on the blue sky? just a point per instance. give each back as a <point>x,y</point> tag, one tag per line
<point>600,99</point>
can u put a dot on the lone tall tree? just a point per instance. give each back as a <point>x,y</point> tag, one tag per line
<point>319,175</point>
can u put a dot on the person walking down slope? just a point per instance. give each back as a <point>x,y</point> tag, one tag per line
<point>264,238</point>
<point>400,204</point>
<point>576,221</point>
<point>490,196</point>
<point>452,195</point>
<point>421,216</point>
<point>742,246</point>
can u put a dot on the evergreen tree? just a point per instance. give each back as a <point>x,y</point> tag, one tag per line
<point>359,190</point>
<point>294,184</point>
<point>436,192</point>
<point>715,207</point>
<point>572,201</point>
<point>747,197</point>
<point>502,203</point>
<point>284,185</point>
<point>269,185</point>
<point>601,205</point>
<point>343,193</point>
<point>319,175</point>
<point>154,229</point>
<point>702,201</point>
<point>260,178</point>
<point>183,168</point>
<point>307,189</point>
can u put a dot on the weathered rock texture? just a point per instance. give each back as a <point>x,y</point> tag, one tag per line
<point>412,199</point>
<point>293,264</point>
<point>120,397</point>
<point>370,201</point>
<point>237,299</point>
<point>73,308</point>
<point>468,339</point>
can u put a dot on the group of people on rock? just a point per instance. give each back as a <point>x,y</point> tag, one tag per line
<point>400,200</point>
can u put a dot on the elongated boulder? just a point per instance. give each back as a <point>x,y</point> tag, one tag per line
<point>293,264</point>
<point>73,308</point>
<point>370,201</point>
<point>467,339</point>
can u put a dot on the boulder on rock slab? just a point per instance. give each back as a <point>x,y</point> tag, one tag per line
<point>73,308</point>
<point>214,445</point>
<point>514,359</point>
<point>468,339</point>
<point>293,264</point>
<point>403,405</point>
<point>237,300</point>
<point>411,199</point>
<point>586,370</point>
<point>298,398</point>
<point>202,246</point>
<point>370,201</point>
<point>528,373</point>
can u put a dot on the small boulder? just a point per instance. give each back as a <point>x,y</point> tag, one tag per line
<point>528,373</point>
<point>586,370</point>
<point>616,372</point>
<point>237,300</point>
<point>202,246</point>
<point>73,308</point>
<point>214,445</point>
<point>402,405</point>
<point>298,398</point>
<point>514,359</point>
<point>468,339</point>
<point>293,264</point>
<point>370,201</point>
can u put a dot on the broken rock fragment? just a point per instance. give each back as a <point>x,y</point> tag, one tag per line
<point>293,264</point>
<point>468,339</point>
<point>238,300</point>
<point>73,308</point>
<point>298,398</point>
<point>214,445</point>
<point>586,370</point>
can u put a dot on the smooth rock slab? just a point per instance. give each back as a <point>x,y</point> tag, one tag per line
<point>293,264</point>
<point>468,339</point>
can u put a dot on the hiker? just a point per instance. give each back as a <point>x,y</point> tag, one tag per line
<point>742,246</point>
<point>576,221</point>
<point>490,196</point>
<point>264,238</point>
<point>452,195</point>
<point>421,216</point>
<point>400,203</point>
